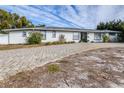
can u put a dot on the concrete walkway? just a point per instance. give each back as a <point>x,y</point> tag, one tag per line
<point>14,61</point>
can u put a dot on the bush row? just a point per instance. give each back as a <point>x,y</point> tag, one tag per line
<point>58,42</point>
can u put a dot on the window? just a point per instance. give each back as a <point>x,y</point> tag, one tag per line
<point>112,34</point>
<point>44,35</point>
<point>24,34</point>
<point>97,36</point>
<point>54,34</point>
<point>75,36</point>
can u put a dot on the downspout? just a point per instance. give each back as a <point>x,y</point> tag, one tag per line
<point>87,37</point>
<point>8,38</point>
<point>33,29</point>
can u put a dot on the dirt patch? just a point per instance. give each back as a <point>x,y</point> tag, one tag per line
<point>96,68</point>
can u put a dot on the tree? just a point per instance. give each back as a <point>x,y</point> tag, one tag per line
<point>30,24</point>
<point>13,20</point>
<point>115,25</point>
<point>19,24</point>
<point>101,26</point>
<point>5,25</point>
<point>15,16</point>
<point>24,21</point>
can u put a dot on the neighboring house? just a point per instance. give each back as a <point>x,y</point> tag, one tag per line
<point>50,34</point>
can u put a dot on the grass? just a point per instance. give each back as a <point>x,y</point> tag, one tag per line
<point>52,68</point>
<point>17,46</point>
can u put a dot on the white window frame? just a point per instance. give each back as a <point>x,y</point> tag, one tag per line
<point>75,36</point>
<point>53,34</point>
<point>24,34</point>
<point>44,35</point>
<point>112,34</point>
<point>97,36</point>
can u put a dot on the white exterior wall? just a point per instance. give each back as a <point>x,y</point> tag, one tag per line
<point>16,38</point>
<point>13,38</point>
<point>68,36</point>
<point>91,37</point>
<point>3,38</point>
<point>113,38</point>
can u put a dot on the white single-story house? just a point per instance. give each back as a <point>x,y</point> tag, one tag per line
<point>50,34</point>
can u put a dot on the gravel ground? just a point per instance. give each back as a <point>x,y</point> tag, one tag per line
<point>94,68</point>
<point>18,60</point>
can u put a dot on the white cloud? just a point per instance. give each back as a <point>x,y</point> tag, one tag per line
<point>68,16</point>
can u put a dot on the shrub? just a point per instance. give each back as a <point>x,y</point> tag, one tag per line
<point>83,40</point>
<point>53,68</point>
<point>62,42</point>
<point>58,42</point>
<point>35,38</point>
<point>70,42</point>
<point>55,42</point>
<point>105,38</point>
<point>62,38</point>
<point>48,43</point>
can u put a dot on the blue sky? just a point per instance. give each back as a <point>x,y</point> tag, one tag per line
<point>69,15</point>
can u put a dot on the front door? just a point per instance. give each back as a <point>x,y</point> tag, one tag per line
<point>83,37</point>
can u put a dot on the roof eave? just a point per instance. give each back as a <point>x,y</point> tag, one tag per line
<point>69,30</point>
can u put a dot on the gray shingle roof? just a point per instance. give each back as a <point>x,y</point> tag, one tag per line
<point>58,29</point>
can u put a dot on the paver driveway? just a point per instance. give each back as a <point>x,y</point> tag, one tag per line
<point>13,61</point>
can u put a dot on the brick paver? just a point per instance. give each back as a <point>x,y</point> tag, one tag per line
<point>13,61</point>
